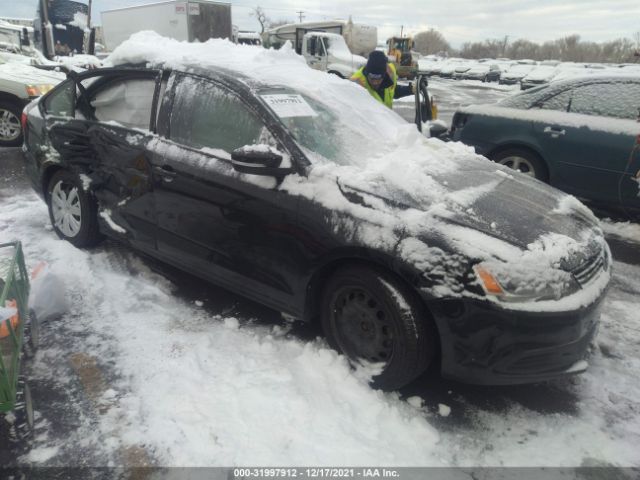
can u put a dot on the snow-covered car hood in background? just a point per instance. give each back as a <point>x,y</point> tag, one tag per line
<point>543,73</point>
<point>28,75</point>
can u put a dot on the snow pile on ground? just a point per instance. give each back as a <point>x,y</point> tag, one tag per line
<point>199,390</point>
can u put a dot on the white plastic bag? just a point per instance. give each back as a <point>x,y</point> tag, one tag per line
<point>47,297</point>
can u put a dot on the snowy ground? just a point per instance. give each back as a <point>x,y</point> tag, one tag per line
<point>152,367</point>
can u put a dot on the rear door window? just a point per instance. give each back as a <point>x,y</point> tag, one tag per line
<point>206,115</point>
<point>127,102</point>
<point>617,100</point>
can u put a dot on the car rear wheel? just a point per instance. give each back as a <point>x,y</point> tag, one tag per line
<point>372,318</point>
<point>524,161</point>
<point>73,212</point>
<point>10,127</point>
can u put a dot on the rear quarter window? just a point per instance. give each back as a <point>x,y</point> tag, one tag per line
<point>126,101</point>
<point>61,101</point>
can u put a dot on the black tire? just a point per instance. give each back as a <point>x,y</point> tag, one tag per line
<point>530,162</point>
<point>371,316</point>
<point>31,337</point>
<point>88,234</point>
<point>10,114</point>
<point>22,422</point>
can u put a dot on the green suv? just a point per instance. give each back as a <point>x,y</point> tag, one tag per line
<point>581,135</point>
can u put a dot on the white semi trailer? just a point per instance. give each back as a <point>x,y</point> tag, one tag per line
<point>185,20</point>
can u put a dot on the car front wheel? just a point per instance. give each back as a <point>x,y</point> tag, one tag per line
<point>10,127</point>
<point>73,212</point>
<point>372,318</point>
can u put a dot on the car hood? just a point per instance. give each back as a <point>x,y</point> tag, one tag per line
<point>488,198</point>
<point>28,75</point>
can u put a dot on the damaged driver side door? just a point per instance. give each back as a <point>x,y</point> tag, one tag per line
<point>105,140</point>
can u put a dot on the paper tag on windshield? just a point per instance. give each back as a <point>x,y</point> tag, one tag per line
<point>289,105</point>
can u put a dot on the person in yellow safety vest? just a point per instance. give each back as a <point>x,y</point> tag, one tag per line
<point>380,79</point>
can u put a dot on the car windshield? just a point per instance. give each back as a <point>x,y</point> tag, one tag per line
<point>336,45</point>
<point>339,134</point>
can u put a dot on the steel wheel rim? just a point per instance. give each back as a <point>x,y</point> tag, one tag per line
<point>520,164</point>
<point>362,325</point>
<point>66,209</point>
<point>10,127</point>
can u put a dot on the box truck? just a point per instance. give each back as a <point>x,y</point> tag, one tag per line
<point>192,20</point>
<point>361,39</point>
<point>62,28</point>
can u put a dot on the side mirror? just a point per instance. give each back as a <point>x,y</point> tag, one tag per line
<point>438,130</point>
<point>422,102</point>
<point>259,160</point>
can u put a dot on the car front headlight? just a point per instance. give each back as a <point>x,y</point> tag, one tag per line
<point>524,283</point>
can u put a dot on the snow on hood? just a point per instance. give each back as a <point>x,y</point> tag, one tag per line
<point>26,74</point>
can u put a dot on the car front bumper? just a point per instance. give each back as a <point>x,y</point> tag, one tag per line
<point>486,345</point>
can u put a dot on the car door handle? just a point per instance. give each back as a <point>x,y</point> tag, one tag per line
<point>166,172</point>
<point>555,132</point>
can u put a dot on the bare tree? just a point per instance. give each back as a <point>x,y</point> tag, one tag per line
<point>568,49</point>
<point>430,42</point>
<point>262,18</point>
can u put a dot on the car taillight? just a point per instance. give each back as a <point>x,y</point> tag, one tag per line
<point>23,121</point>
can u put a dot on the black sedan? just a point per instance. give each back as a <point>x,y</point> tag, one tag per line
<point>325,205</point>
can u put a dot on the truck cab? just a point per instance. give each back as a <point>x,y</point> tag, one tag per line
<point>328,52</point>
